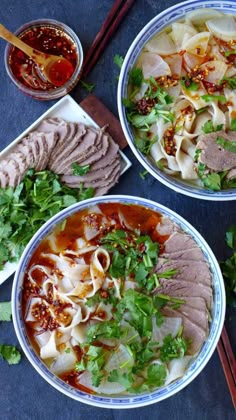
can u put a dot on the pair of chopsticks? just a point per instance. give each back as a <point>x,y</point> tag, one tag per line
<point>113,20</point>
<point>228,362</point>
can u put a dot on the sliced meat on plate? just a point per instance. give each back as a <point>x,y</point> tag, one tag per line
<point>193,271</point>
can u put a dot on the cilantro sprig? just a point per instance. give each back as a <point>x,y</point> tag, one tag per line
<point>228,267</point>
<point>132,254</point>
<point>8,352</point>
<point>24,209</point>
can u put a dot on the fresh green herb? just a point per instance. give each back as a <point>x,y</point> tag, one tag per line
<point>144,144</point>
<point>231,237</point>
<point>168,274</point>
<point>98,298</point>
<point>160,165</point>
<point>143,174</point>
<point>136,77</point>
<point>68,350</point>
<point>219,98</point>
<point>10,354</point>
<point>201,110</point>
<point>210,180</point>
<point>124,379</point>
<point>106,329</point>
<point>156,375</point>
<point>228,268</point>
<point>197,154</point>
<point>208,127</point>
<point>229,81</point>
<point>140,308</point>
<point>189,84</point>
<point>161,300</point>
<point>226,144</point>
<point>230,52</point>
<point>24,209</point>
<point>118,60</point>
<point>156,92</point>
<point>233,124</point>
<point>5,311</point>
<point>80,170</point>
<point>87,86</point>
<point>93,361</point>
<point>173,348</point>
<point>131,254</point>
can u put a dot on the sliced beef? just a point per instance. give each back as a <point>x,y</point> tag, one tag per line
<point>179,242</point>
<point>96,156</point>
<point>51,125</point>
<point>86,148</point>
<point>166,226</point>
<point>105,188</point>
<point>182,288</point>
<point>191,330</point>
<point>66,145</point>
<point>231,174</point>
<point>108,158</point>
<point>214,156</point>
<point>93,179</point>
<point>20,162</point>
<point>4,178</point>
<point>26,150</point>
<point>192,254</point>
<point>10,167</point>
<point>198,316</point>
<point>193,271</point>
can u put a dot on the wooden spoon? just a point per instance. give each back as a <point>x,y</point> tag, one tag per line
<point>56,69</point>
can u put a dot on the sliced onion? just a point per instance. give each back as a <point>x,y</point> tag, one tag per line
<point>181,31</point>
<point>199,16</point>
<point>105,387</point>
<point>169,326</point>
<point>177,368</point>
<point>120,359</point>
<point>215,70</point>
<point>197,44</point>
<point>223,27</point>
<point>153,65</point>
<point>65,361</point>
<point>161,44</point>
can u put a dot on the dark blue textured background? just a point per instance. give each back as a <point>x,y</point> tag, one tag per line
<point>23,393</point>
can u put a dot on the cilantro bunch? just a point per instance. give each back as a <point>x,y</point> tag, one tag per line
<point>24,209</point>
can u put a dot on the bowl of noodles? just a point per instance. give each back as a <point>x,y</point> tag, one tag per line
<point>177,100</point>
<point>118,302</point>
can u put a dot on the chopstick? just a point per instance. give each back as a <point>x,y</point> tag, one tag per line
<point>113,20</point>
<point>228,363</point>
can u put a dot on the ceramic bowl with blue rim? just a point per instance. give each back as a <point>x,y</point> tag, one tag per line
<point>128,401</point>
<point>156,25</point>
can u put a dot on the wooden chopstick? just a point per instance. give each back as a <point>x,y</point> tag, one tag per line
<point>113,20</point>
<point>228,363</point>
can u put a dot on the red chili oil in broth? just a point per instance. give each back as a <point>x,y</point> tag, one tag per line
<point>49,40</point>
<point>138,217</point>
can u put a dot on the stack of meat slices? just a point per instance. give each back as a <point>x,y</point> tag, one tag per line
<point>191,282</point>
<point>56,145</point>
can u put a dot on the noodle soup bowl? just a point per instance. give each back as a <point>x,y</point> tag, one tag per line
<point>156,25</point>
<point>121,401</point>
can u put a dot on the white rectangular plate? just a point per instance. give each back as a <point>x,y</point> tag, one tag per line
<point>69,110</point>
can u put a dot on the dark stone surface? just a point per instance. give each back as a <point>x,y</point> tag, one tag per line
<point>24,394</point>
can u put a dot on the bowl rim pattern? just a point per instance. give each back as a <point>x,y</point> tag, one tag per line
<point>155,25</point>
<point>218,310</point>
